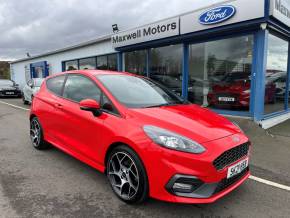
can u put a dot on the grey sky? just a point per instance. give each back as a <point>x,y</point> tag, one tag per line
<point>37,26</point>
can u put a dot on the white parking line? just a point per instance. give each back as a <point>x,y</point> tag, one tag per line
<point>257,179</point>
<point>15,106</point>
<point>270,183</point>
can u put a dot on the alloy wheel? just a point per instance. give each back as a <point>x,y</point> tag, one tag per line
<point>123,175</point>
<point>35,133</point>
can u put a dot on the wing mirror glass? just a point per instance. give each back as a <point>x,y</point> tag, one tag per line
<point>92,106</point>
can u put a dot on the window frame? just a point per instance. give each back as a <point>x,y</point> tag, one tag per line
<point>245,113</point>
<point>287,83</point>
<point>101,94</point>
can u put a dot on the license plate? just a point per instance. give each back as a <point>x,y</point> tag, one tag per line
<point>238,168</point>
<point>9,93</point>
<point>226,99</point>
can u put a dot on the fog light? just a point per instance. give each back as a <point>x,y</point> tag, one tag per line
<point>181,187</point>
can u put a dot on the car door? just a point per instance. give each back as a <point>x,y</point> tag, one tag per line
<point>81,130</point>
<point>49,113</point>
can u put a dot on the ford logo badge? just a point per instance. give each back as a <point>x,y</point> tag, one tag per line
<point>217,15</point>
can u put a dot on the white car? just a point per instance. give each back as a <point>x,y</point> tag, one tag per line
<point>30,89</point>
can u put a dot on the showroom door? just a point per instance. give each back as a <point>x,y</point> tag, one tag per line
<point>39,69</point>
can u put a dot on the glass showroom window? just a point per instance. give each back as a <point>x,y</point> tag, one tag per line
<point>166,66</point>
<point>112,62</point>
<point>276,74</point>
<point>102,62</point>
<point>135,62</point>
<point>220,73</point>
<point>87,63</point>
<point>71,65</point>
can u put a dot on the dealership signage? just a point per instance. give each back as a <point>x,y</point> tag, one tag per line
<point>217,15</point>
<point>234,11</point>
<point>280,9</point>
<point>162,29</point>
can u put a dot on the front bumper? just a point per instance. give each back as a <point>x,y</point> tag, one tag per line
<point>211,183</point>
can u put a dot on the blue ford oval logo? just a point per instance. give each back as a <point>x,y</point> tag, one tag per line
<point>217,15</point>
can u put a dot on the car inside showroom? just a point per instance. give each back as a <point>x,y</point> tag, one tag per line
<point>228,57</point>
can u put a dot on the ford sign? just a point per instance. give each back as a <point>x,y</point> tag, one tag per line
<point>217,15</point>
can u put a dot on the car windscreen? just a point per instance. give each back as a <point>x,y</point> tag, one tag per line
<point>4,82</point>
<point>138,92</point>
<point>38,82</point>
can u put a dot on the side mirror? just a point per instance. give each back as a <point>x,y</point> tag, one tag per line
<point>92,106</point>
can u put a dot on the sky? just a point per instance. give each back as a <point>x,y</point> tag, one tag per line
<point>38,26</point>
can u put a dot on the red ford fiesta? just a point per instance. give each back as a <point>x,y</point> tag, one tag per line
<point>147,140</point>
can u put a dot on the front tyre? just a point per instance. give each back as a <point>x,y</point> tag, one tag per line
<point>127,175</point>
<point>36,135</point>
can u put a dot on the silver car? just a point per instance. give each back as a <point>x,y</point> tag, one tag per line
<point>30,89</point>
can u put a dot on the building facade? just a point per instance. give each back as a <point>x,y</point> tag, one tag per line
<point>231,57</point>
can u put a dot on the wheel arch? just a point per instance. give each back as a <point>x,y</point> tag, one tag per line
<point>32,116</point>
<point>119,143</point>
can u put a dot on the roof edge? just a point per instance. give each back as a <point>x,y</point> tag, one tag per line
<point>71,47</point>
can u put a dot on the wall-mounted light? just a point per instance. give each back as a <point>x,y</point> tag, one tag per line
<point>115,28</point>
<point>263,26</point>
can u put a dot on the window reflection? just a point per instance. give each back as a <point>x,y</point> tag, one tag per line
<point>102,63</point>
<point>135,62</point>
<point>166,67</point>
<point>276,74</point>
<point>220,73</point>
<point>112,62</point>
<point>87,63</point>
<point>71,65</point>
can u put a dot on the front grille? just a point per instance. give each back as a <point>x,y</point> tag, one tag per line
<point>225,183</point>
<point>231,156</point>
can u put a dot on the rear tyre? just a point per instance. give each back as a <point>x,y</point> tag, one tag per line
<point>36,135</point>
<point>127,175</point>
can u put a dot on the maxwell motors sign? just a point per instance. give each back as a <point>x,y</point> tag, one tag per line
<point>162,29</point>
<point>280,9</point>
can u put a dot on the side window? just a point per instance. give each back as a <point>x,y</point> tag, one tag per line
<point>78,88</point>
<point>107,105</point>
<point>55,84</point>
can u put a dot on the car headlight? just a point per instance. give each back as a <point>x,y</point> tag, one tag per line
<point>172,140</point>
<point>238,127</point>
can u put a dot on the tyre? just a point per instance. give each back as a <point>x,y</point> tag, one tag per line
<point>36,135</point>
<point>127,175</point>
<point>24,100</point>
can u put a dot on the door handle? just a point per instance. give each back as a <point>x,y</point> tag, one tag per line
<point>59,106</point>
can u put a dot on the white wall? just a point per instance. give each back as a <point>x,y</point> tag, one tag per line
<point>55,61</point>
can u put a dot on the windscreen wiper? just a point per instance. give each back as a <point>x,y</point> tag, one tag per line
<point>160,105</point>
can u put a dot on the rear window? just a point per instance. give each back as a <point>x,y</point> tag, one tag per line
<point>55,84</point>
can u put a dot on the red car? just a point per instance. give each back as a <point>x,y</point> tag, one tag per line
<point>233,91</point>
<point>147,140</point>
